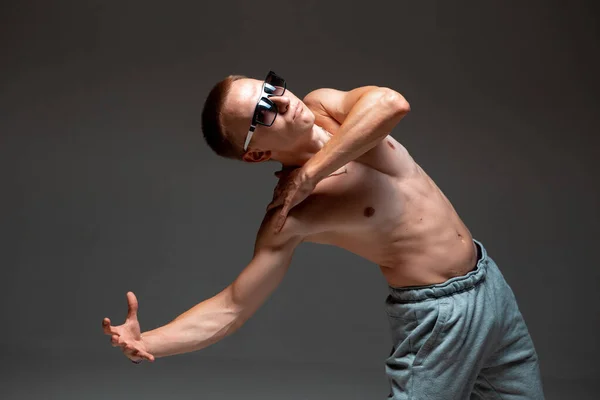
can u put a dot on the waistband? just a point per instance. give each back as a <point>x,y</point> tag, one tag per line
<point>452,286</point>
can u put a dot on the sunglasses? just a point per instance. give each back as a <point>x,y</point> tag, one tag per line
<point>266,111</point>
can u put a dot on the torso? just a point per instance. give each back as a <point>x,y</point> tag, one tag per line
<point>402,222</point>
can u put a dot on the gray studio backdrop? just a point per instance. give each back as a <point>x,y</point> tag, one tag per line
<point>107,185</point>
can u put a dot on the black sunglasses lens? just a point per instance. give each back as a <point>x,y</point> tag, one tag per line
<point>266,112</point>
<point>274,84</point>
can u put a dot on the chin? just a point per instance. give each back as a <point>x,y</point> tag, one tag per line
<point>308,118</point>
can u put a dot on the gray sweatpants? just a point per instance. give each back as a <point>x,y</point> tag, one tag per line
<point>461,339</point>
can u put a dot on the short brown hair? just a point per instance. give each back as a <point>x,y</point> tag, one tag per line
<point>224,143</point>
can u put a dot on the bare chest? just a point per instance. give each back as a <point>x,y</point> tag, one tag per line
<point>359,210</point>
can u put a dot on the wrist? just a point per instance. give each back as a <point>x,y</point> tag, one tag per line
<point>150,343</point>
<point>310,173</point>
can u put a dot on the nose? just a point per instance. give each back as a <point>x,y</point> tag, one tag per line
<point>282,103</point>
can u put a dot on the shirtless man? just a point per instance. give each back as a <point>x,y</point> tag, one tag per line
<point>456,328</point>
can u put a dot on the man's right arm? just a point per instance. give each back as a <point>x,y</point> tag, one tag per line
<point>219,316</point>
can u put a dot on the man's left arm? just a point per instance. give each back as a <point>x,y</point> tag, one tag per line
<point>365,116</point>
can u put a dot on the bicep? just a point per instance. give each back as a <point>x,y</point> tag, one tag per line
<point>259,279</point>
<point>270,262</point>
<point>333,103</point>
<point>332,106</point>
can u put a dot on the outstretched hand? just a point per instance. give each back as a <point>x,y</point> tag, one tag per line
<point>128,335</point>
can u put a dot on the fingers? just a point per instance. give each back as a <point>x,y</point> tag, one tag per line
<point>108,328</point>
<point>283,215</point>
<point>135,354</point>
<point>132,305</point>
<point>273,204</point>
<point>130,350</point>
<point>278,200</point>
<point>280,221</point>
<point>281,198</point>
<point>145,355</point>
<point>132,308</point>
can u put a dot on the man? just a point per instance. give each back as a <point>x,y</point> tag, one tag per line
<point>456,327</point>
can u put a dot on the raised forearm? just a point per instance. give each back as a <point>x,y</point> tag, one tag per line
<point>371,119</point>
<point>199,327</point>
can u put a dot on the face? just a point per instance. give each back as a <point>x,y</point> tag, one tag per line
<point>294,120</point>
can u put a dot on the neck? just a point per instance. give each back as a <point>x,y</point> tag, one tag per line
<point>302,150</point>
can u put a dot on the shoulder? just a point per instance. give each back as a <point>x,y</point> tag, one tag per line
<point>336,103</point>
<point>325,209</point>
<point>290,235</point>
<point>334,203</point>
<point>332,106</point>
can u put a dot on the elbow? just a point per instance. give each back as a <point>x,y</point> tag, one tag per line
<point>394,101</point>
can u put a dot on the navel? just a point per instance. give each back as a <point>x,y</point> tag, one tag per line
<point>369,211</point>
<point>391,144</point>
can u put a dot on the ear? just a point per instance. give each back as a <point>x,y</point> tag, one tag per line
<point>257,156</point>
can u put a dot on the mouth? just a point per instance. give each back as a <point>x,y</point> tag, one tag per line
<point>297,110</point>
